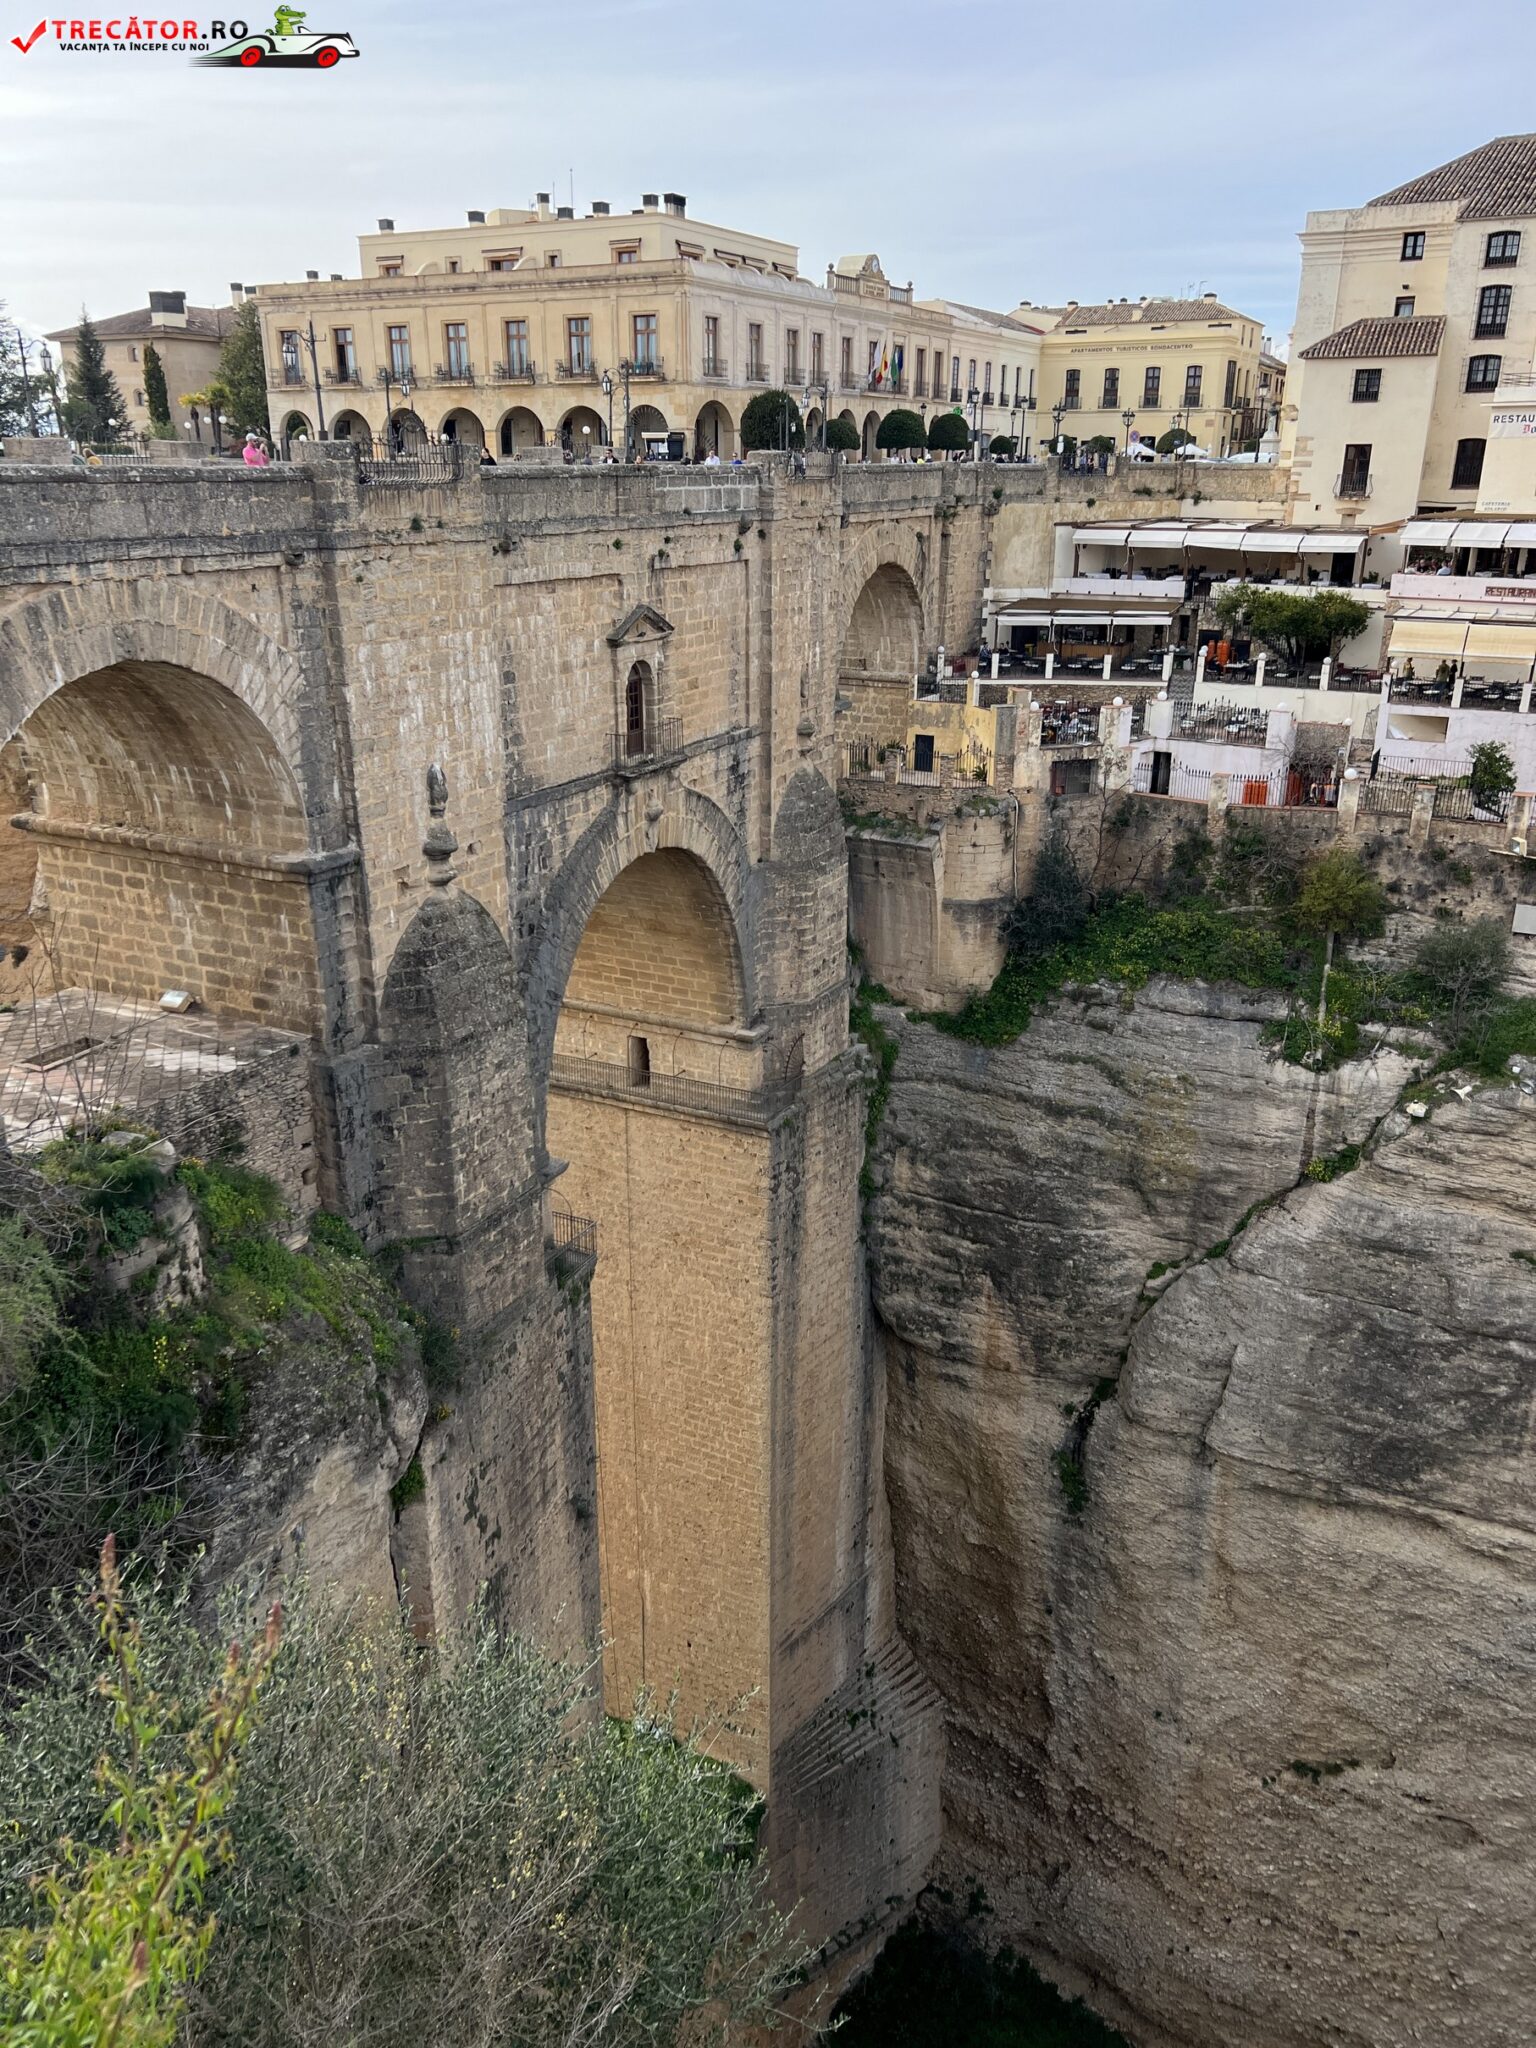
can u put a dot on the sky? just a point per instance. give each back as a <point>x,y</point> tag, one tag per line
<point>988,150</point>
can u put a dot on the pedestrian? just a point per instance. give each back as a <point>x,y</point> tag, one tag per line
<point>712,459</point>
<point>487,459</point>
<point>800,464</point>
<point>256,456</point>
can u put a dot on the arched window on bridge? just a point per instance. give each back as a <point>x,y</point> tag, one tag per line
<point>637,710</point>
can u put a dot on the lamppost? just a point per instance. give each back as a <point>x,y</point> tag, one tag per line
<point>1128,416</point>
<point>823,391</point>
<point>973,400</point>
<point>1013,425</point>
<point>608,394</point>
<point>626,369</point>
<point>314,366</point>
<point>1176,427</point>
<point>393,442</point>
<point>1058,411</point>
<point>587,444</point>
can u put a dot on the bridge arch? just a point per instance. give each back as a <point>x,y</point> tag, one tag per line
<point>884,634</point>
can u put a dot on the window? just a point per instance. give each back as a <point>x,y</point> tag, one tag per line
<point>1192,377</point>
<point>346,355</point>
<point>1111,389</point>
<point>712,365</point>
<point>138,398</point>
<point>818,356</point>
<point>1072,394</point>
<point>1413,247</point>
<point>845,360</point>
<point>626,255</point>
<point>133,353</point>
<point>456,345</point>
<point>1367,387</point>
<point>1403,310</point>
<point>288,343</point>
<point>970,381</point>
<point>755,365</point>
<point>453,266</point>
<point>920,379</point>
<point>644,337</point>
<point>954,378</point>
<point>502,263</point>
<point>1483,372</point>
<point>399,353</point>
<point>517,347</point>
<point>1355,480</point>
<point>634,713</point>
<point>986,383</point>
<point>791,355</point>
<point>1152,386</point>
<point>1503,247</point>
<point>1493,309</point>
<point>1467,471</point>
<point>552,260</point>
<point>389,270</point>
<point>578,344</point>
<point>1230,393</point>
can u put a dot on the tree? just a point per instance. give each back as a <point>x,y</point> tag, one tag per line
<point>1003,444</point>
<point>94,409</point>
<point>240,387</point>
<point>156,397</point>
<point>1464,967</point>
<point>120,1932</point>
<point>1057,906</point>
<point>842,434</point>
<point>1100,444</point>
<point>445,1843</point>
<point>901,429</point>
<point>1338,898</point>
<point>1493,775</point>
<point>1175,439</point>
<point>25,402</point>
<point>1300,625</point>
<point>764,421</point>
<point>948,431</point>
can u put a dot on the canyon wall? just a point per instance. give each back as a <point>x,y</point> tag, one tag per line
<point>1218,1538</point>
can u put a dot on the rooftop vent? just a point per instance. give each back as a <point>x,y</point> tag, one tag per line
<point>676,202</point>
<point>649,202</point>
<point>313,276</point>
<point>476,218</point>
<point>1070,304</point>
<point>235,290</point>
<point>565,213</point>
<point>1207,295</point>
<point>601,206</point>
<point>335,277</point>
<point>250,291</point>
<point>167,302</point>
<point>386,227</point>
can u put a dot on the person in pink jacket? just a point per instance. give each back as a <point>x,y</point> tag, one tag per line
<point>255,455</point>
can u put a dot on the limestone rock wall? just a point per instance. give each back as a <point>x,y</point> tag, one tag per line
<point>1244,1748</point>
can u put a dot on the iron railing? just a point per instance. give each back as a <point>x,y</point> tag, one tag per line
<point>1398,778</point>
<point>1353,483</point>
<point>294,373</point>
<point>1193,785</point>
<point>1230,725</point>
<point>714,370</point>
<point>510,373</point>
<point>656,741</point>
<point>757,373</point>
<point>338,375</point>
<point>648,366</point>
<point>454,373</point>
<point>619,1083</point>
<point>413,464</point>
<point>1070,725</point>
<point>568,1233</point>
<point>576,373</point>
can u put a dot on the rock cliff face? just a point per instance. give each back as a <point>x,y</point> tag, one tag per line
<point>1244,1747</point>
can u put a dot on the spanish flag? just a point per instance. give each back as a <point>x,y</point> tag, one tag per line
<point>885,364</point>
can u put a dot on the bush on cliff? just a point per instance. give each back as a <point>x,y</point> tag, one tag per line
<point>428,1845</point>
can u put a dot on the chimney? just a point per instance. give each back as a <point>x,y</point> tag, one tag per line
<point>601,206</point>
<point>335,277</point>
<point>386,227</point>
<point>541,201</point>
<point>648,202</point>
<point>565,213</point>
<point>313,276</point>
<point>234,293</point>
<point>1207,295</point>
<point>476,218</point>
<point>1071,305</point>
<point>675,203</point>
<point>250,291</point>
<point>168,309</point>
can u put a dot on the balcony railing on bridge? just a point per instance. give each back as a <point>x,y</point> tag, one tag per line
<point>636,748</point>
<point>412,464</point>
<point>640,1086</point>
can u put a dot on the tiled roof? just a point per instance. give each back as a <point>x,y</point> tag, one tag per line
<point>1011,321</point>
<point>1496,182</point>
<point>203,323</point>
<point>1378,339</point>
<point>1164,312</point>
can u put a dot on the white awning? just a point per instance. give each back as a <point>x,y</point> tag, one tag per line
<point>1263,541</point>
<point>1100,536</point>
<point>1333,543</point>
<point>1428,533</point>
<point>1159,536</point>
<point>1522,534</point>
<point>1480,533</point>
<point>1429,636</point>
<point>1143,618</point>
<point>1509,640</point>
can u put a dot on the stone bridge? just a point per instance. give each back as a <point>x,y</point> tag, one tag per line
<point>596,969</point>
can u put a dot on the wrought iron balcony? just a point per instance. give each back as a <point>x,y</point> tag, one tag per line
<point>757,373</point>
<point>455,373</point>
<point>647,366</point>
<point>293,373</point>
<point>576,373</point>
<point>343,376</point>
<point>512,373</point>
<point>636,752</point>
<point>397,375</point>
<point>954,394</point>
<point>1353,483</point>
<point>713,370</point>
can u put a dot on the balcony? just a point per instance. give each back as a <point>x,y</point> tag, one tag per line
<point>398,373</point>
<point>848,382</point>
<point>757,373</point>
<point>647,366</point>
<point>714,371</point>
<point>987,398</point>
<point>512,373</point>
<point>455,373</point>
<point>576,372</point>
<point>293,373</point>
<point>347,374</point>
<point>954,394</point>
<point>901,295</point>
<point>1491,330</point>
<point>886,387</point>
<point>637,751</point>
<point>1353,483</point>
<point>1099,583</point>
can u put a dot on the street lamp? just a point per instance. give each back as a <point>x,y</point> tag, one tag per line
<point>973,400</point>
<point>1058,411</point>
<point>314,366</point>
<point>1128,416</point>
<point>587,444</point>
<point>608,394</point>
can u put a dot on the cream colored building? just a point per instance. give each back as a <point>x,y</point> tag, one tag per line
<point>187,339</point>
<point>1413,310</point>
<point>500,333</point>
<point>1191,363</point>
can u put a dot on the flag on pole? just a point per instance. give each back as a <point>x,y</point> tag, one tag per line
<point>898,358</point>
<point>885,364</point>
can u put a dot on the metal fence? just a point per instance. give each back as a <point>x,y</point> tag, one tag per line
<point>665,1091</point>
<point>1230,725</point>
<point>411,465</point>
<point>568,1233</point>
<point>658,738</point>
<point>1070,725</point>
<point>1192,784</point>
